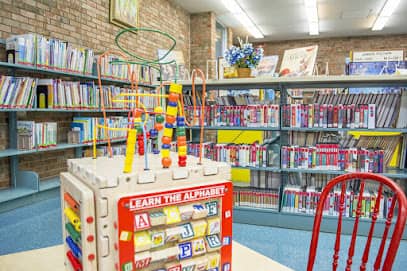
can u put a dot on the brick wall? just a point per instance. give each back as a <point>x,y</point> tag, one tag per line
<point>335,50</point>
<point>84,23</point>
<point>203,38</point>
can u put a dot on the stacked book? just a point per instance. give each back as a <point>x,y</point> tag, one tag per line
<point>333,157</point>
<point>88,128</point>
<point>58,94</point>
<point>236,116</point>
<point>31,135</point>
<point>329,116</point>
<point>110,69</point>
<point>298,200</point>
<point>254,155</point>
<point>49,53</point>
<point>255,198</point>
<point>118,149</point>
<point>17,92</point>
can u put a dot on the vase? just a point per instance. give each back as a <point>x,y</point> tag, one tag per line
<point>244,72</point>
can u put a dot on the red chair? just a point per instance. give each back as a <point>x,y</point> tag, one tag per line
<point>398,196</point>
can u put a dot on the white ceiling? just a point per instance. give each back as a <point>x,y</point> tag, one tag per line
<point>286,19</point>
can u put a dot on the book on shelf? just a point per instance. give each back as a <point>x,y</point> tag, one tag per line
<point>32,135</point>
<point>17,92</point>
<point>236,116</point>
<point>88,126</point>
<point>118,149</point>
<point>256,198</point>
<point>254,155</point>
<point>296,199</point>
<point>21,49</point>
<point>329,116</point>
<point>333,157</point>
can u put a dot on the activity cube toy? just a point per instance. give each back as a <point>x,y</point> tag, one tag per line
<point>177,221</point>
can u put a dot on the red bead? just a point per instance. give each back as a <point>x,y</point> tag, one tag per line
<point>166,162</point>
<point>173,97</point>
<point>182,163</point>
<point>90,238</point>
<point>166,140</point>
<point>158,126</point>
<point>91,257</point>
<point>170,119</point>
<point>182,158</point>
<point>89,219</point>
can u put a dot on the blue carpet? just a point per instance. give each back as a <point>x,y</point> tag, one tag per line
<point>39,225</point>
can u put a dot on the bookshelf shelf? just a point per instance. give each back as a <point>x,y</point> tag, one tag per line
<point>26,68</point>
<point>391,173</point>
<point>60,146</point>
<point>270,169</point>
<point>270,217</point>
<point>236,128</point>
<point>317,129</point>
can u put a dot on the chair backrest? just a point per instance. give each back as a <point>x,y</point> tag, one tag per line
<point>362,179</point>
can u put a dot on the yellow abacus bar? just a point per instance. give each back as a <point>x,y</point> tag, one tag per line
<point>72,216</point>
<point>175,88</point>
<point>165,153</point>
<point>142,95</point>
<point>168,132</point>
<point>131,144</point>
<point>172,110</point>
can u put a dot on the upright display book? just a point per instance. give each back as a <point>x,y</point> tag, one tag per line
<point>267,66</point>
<point>299,61</point>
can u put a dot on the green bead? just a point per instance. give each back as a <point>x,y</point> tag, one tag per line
<point>159,118</point>
<point>139,129</point>
<point>181,132</point>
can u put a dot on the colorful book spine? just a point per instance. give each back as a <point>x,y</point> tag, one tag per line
<point>329,116</point>
<point>256,198</point>
<point>332,157</point>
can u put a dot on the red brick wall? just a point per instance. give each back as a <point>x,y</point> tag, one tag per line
<point>83,23</point>
<point>335,50</point>
<point>203,38</point>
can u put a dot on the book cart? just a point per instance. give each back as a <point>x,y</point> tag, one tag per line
<point>279,216</point>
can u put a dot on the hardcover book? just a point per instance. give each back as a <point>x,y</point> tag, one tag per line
<point>299,61</point>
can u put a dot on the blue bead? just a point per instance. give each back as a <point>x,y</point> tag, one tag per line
<point>172,104</point>
<point>156,151</point>
<point>153,133</point>
<point>169,125</point>
<point>166,146</point>
<point>180,123</point>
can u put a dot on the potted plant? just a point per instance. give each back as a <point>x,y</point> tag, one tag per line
<point>244,57</point>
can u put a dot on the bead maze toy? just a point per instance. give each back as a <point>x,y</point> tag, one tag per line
<point>141,211</point>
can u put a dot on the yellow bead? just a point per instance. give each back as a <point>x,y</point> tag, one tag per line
<point>137,120</point>
<point>158,110</point>
<point>172,110</point>
<point>175,88</point>
<point>182,153</point>
<point>182,149</point>
<point>165,153</point>
<point>168,132</point>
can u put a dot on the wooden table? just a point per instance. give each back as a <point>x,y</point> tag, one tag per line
<point>51,258</point>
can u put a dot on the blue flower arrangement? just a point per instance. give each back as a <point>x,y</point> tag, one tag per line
<point>244,56</point>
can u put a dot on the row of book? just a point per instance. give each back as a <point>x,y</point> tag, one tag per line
<point>296,200</point>
<point>329,116</point>
<point>333,157</point>
<point>89,127</point>
<point>254,155</point>
<point>387,106</point>
<point>17,92</point>
<point>256,198</point>
<point>113,67</point>
<point>54,54</point>
<point>119,149</point>
<point>27,92</point>
<point>225,100</point>
<point>241,116</point>
<point>32,135</point>
<point>49,53</point>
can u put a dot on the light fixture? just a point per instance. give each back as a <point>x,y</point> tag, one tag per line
<point>243,18</point>
<point>385,14</point>
<point>312,16</point>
